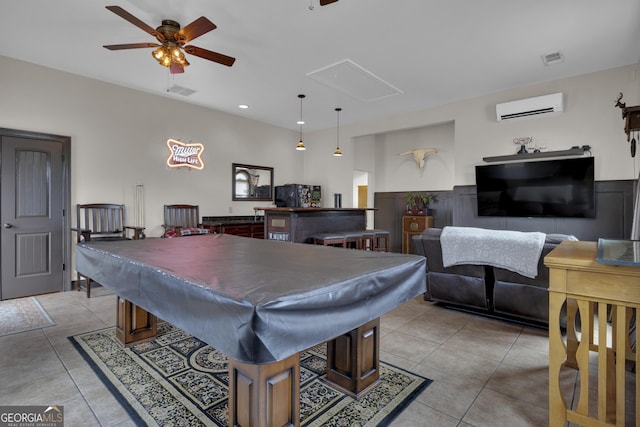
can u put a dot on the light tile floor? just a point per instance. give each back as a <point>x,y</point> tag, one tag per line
<point>486,372</point>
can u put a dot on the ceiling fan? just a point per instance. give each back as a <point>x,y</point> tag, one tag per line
<point>326,2</point>
<point>169,53</point>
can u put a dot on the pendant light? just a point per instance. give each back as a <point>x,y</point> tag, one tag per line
<point>300,146</point>
<point>338,152</point>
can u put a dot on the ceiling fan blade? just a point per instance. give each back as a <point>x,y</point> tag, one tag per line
<point>211,56</point>
<point>326,2</point>
<point>130,46</point>
<point>197,28</point>
<point>132,19</point>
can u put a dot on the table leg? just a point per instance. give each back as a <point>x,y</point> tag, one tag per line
<point>572,337</point>
<point>266,395</point>
<point>557,354</point>
<point>353,359</point>
<point>133,323</point>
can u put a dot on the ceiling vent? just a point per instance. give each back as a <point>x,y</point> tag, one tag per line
<point>181,90</point>
<point>537,106</point>
<point>552,58</point>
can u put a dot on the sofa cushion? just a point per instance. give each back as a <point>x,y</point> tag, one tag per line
<point>541,280</point>
<point>428,245</point>
<point>458,289</point>
<point>524,301</point>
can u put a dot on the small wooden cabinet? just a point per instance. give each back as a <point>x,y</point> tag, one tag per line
<point>413,225</point>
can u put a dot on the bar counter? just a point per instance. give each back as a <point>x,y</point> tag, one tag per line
<point>301,224</point>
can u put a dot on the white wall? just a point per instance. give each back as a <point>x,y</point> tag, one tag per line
<point>118,139</point>
<point>468,131</point>
<point>401,173</point>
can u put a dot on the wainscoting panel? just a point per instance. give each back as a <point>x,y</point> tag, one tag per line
<point>614,214</point>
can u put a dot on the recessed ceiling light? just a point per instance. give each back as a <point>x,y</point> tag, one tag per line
<point>243,106</point>
<point>552,58</point>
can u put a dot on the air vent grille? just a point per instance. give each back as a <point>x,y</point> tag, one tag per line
<point>552,58</point>
<point>181,90</point>
<point>526,113</point>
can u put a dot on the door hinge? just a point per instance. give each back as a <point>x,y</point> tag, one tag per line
<point>64,267</point>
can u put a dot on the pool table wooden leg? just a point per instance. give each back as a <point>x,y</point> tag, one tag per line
<point>266,395</point>
<point>353,359</point>
<point>133,323</point>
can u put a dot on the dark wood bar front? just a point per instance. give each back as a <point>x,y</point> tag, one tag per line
<point>301,224</point>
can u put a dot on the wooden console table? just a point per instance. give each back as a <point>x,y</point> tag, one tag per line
<point>596,292</point>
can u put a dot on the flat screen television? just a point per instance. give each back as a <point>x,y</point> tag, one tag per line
<point>552,188</point>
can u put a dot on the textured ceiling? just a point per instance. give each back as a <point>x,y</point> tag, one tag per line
<point>415,54</point>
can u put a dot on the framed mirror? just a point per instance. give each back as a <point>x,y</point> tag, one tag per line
<point>251,183</point>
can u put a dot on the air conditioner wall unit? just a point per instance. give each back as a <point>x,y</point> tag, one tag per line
<point>539,105</point>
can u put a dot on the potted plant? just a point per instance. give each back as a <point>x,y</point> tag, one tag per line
<point>418,203</point>
<point>426,200</point>
<point>412,203</point>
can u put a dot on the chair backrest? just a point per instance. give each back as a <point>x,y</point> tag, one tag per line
<point>185,216</point>
<point>103,219</point>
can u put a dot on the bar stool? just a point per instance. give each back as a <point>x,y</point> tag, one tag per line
<point>368,242</point>
<point>381,240</point>
<point>330,239</point>
<point>353,239</point>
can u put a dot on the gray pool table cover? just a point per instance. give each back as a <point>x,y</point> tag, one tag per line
<point>258,301</point>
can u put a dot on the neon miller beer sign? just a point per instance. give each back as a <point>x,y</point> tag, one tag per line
<point>185,155</point>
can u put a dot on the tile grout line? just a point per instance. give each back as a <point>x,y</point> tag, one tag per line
<point>66,368</point>
<point>484,386</point>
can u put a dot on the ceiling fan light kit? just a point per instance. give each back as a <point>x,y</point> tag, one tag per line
<point>171,56</point>
<point>169,53</point>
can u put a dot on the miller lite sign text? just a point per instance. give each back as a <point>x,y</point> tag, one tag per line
<point>187,155</point>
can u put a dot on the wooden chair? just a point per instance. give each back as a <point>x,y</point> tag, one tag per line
<point>102,221</point>
<point>183,220</point>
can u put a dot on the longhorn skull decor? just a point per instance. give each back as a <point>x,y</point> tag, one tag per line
<point>420,155</point>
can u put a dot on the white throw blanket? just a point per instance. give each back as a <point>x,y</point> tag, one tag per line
<point>512,250</point>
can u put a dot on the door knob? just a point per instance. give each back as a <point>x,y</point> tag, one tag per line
<point>7,225</point>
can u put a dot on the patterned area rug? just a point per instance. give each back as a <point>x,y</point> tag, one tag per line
<point>22,314</point>
<point>177,379</point>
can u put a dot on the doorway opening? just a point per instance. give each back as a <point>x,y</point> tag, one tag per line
<point>361,196</point>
